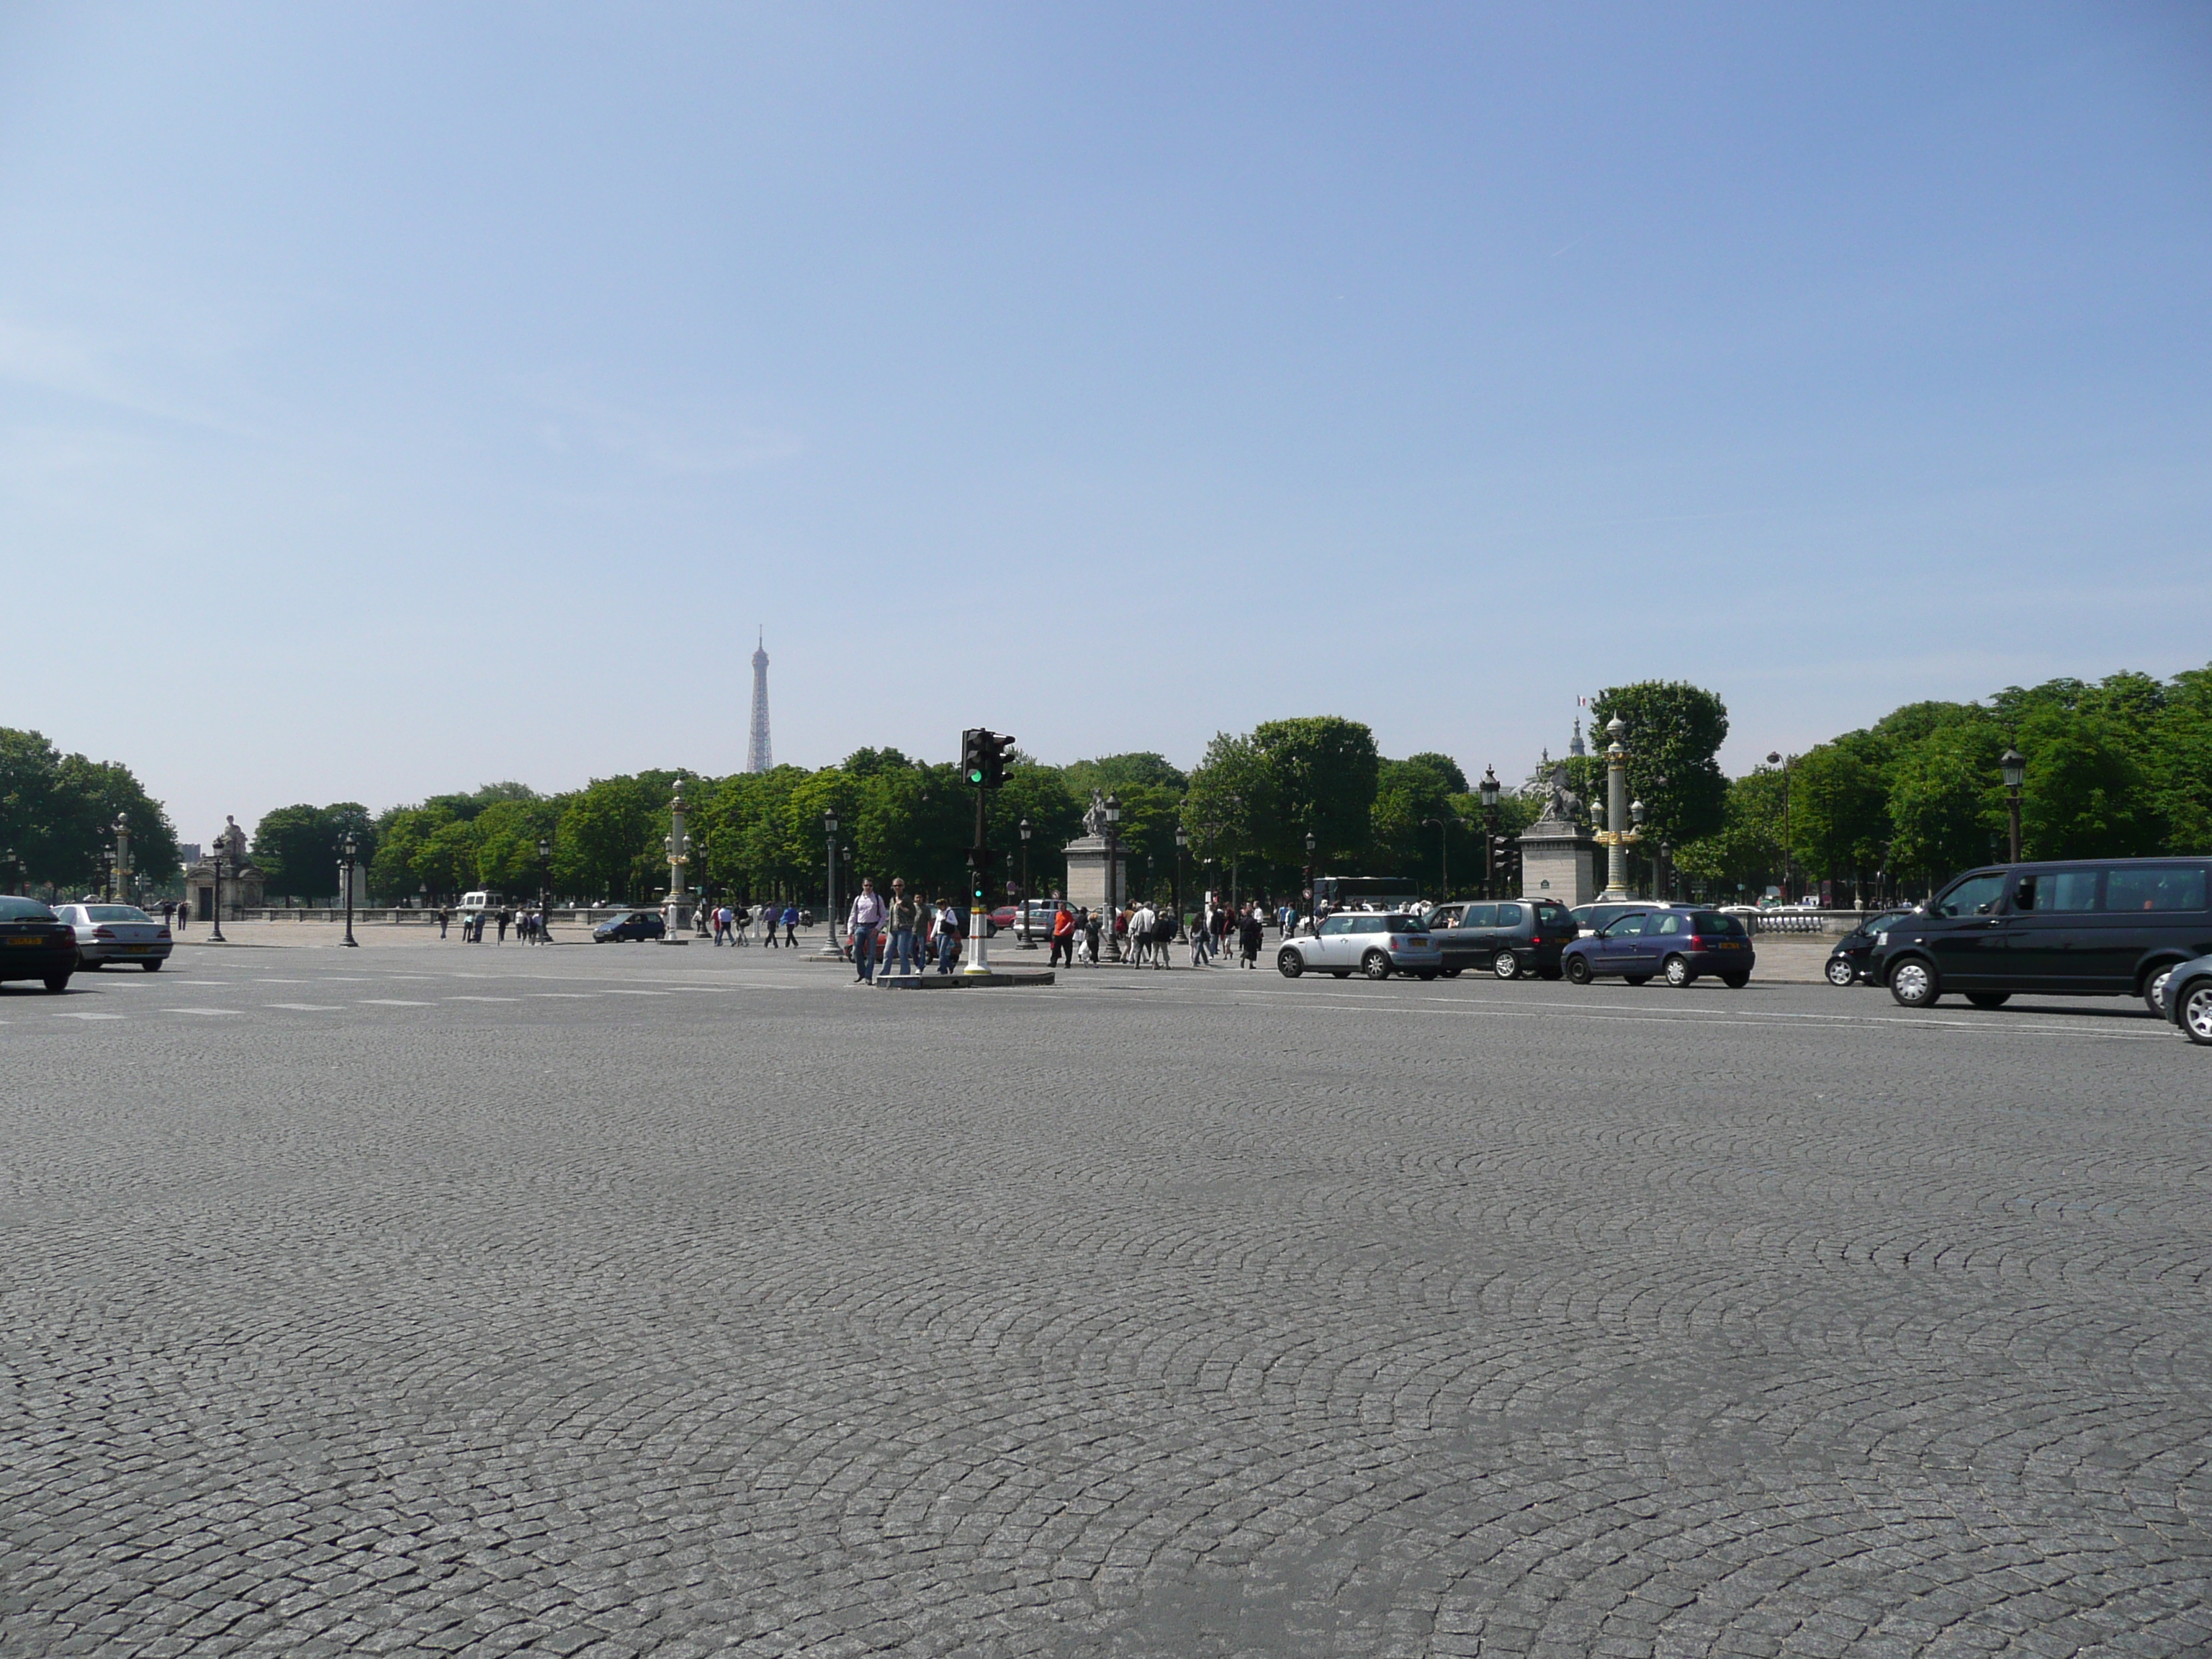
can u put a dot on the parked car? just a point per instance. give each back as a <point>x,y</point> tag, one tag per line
<point>637,925</point>
<point>1509,939</point>
<point>1683,944</point>
<point>999,918</point>
<point>36,944</point>
<point>1033,919</point>
<point>116,933</point>
<point>1377,943</point>
<point>2189,998</point>
<point>1847,963</point>
<point>2087,928</point>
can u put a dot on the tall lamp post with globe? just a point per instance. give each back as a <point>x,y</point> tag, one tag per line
<point>829,946</point>
<point>1182,846</point>
<point>349,851</point>
<point>215,869</point>
<point>1489,791</point>
<point>1026,939</point>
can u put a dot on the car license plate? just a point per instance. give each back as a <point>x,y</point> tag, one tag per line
<point>20,939</point>
<point>137,949</point>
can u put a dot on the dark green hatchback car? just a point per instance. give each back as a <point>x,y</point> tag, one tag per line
<point>36,944</point>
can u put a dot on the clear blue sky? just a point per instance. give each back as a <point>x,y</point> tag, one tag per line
<point>410,396</point>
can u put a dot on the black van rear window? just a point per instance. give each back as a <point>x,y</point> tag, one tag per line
<point>2160,887</point>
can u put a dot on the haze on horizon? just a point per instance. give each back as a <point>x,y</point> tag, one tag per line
<point>401,398</point>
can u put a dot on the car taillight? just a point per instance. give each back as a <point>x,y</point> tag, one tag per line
<point>103,933</point>
<point>160,932</point>
<point>1695,944</point>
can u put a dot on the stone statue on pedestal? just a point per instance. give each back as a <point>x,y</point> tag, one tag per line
<point>1094,816</point>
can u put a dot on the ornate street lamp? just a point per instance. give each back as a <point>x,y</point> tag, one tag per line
<point>829,945</point>
<point>215,864</point>
<point>1489,789</point>
<point>121,859</point>
<point>2013,766</point>
<point>1310,844</point>
<point>1113,908</point>
<point>1774,758</point>
<point>349,847</point>
<point>1027,941</point>
<point>1618,835</point>
<point>1182,846</point>
<point>544,891</point>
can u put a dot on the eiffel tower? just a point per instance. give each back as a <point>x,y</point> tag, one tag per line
<point>757,758</point>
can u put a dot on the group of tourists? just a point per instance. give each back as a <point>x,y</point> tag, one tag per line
<point>530,926</point>
<point>904,931</point>
<point>733,924</point>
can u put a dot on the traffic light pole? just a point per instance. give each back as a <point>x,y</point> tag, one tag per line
<point>979,918</point>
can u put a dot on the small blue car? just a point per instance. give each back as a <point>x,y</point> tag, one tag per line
<point>1680,945</point>
<point>638,925</point>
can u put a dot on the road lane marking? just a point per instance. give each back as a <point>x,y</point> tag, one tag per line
<point>308,1007</point>
<point>483,998</point>
<point>393,1002</point>
<point>65,1014</point>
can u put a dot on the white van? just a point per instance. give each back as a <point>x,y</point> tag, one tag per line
<point>476,904</point>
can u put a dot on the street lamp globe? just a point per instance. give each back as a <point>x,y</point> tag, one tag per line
<point>1310,844</point>
<point>1183,837</point>
<point>1774,758</point>
<point>1636,812</point>
<point>830,823</point>
<point>1112,809</point>
<point>544,849</point>
<point>1023,827</point>
<point>2014,765</point>
<point>1489,789</point>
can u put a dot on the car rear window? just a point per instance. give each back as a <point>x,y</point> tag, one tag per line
<point>1552,916</point>
<point>25,909</point>
<point>1711,922</point>
<point>116,913</point>
<point>2170,887</point>
<point>1403,924</point>
<point>1478,915</point>
<point>1508,915</point>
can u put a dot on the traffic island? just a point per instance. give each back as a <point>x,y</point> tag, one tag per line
<point>957,981</point>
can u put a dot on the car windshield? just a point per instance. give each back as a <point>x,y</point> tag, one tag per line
<point>25,909</point>
<point>115,913</point>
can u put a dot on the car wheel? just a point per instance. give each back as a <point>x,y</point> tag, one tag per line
<point>1840,971</point>
<point>1635,979</point>
<point>2154,989</point>
<point>57,983</point>
<point>1578,969</point>
<point>1289,963</point>
<point>1506,966</point>
<point>151,967</point>
<point>2196,1012</point>
<point>1548,973</point>
<point>1340,973</point>
<point>1376,964</point>
<point>1988,999</point>
<point>1680,973</point>
<point>1426,973</point>
<point>1913,984</point>
<point>1735,981</point>
<point>1449,973</point>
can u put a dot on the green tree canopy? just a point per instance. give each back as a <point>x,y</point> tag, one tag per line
<point>57,817</point>
<point>1673,732</point>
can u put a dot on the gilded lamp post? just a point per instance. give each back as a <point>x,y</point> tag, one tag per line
<point>1618,836</point>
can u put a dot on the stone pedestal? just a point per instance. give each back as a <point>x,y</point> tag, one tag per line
<point>1086,874</point>
<point>1558,861</point>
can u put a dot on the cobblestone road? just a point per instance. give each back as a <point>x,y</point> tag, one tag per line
<point>623,1301</point>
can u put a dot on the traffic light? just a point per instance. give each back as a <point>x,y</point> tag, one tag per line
<point>996,747</point>
<point>979,866</point>
<point>972,742</point>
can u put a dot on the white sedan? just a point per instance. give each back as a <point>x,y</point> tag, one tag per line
<point>117,932</point>
<point>1377,944</point>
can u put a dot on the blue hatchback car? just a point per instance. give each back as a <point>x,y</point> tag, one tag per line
<point>1680,945</point>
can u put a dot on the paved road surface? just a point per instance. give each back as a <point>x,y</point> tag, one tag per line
<point>640,1300</point>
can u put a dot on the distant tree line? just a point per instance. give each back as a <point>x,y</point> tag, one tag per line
<point>2119,769</point>
<point>57,817</point>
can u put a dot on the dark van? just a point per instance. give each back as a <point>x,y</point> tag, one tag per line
<point>2094,928</point>
<point>1517,937</point>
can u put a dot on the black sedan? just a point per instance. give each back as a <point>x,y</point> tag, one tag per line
<point>638,925</point>
<point>36,944</point>
<point>1847,963</point>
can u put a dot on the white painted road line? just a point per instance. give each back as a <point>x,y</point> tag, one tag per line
<point>308,1007</point>
<point>393,1002</point>
<point>65,1014</point>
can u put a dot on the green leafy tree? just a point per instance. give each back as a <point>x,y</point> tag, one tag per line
<point>611,837</point>
<point>1839,810</point>
<point>1322,774</point>
<point>1744,855</point>
<point>1947,799</point>
<point>57,817</point>
<point>506,837</point>
<point>1413,797</point>
<point>1112,773</point>
<point>1673,733</point>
